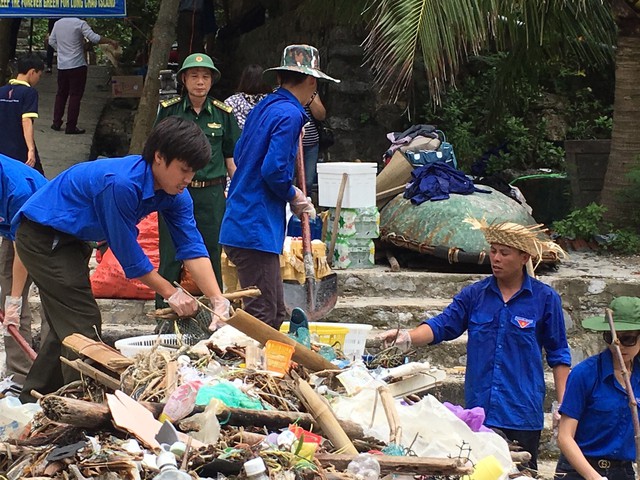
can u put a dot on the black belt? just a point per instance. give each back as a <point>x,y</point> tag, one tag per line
<point>605,463</point>
<point>208,183</point>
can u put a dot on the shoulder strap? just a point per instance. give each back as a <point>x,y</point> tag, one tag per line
<point>222,106</point>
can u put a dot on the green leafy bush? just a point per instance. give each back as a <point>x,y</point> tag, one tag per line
<point>583,223</point>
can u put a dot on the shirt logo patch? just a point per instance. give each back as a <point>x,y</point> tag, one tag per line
<point>523,322</point>
<point>214,125</point>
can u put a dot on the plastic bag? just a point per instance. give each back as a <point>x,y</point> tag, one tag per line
<point>14,416</point>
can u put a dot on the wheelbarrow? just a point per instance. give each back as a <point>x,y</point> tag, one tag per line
<point>316,297</point>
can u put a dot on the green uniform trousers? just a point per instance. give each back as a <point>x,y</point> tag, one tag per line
<point>208,207</point>
<point>58,264</point>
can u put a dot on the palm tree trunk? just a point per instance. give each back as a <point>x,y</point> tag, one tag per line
<point>163,35</point>
<point>625,140</point>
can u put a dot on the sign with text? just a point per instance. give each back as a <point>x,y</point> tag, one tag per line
<point>63,8</point>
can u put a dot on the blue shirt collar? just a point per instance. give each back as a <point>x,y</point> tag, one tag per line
<point>148,186</point>
<point>606,363</point>
<point>526,285</point>
<point>291,97</point>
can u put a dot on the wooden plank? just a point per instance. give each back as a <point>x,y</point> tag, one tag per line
<point>97,351</point>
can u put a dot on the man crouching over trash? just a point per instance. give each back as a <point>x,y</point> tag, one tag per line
<point>105,200</point>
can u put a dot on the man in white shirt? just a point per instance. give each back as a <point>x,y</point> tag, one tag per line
<point>68,39</point>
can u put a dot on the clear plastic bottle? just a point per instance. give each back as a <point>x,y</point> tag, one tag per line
<point>256,469</point>
<point>168,466</point>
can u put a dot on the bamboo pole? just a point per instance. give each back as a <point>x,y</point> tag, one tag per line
<point>633,404</point>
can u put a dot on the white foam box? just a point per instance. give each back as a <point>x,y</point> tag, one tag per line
<point>360,189</point>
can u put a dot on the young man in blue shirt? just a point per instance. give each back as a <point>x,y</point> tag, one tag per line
<point>510,317</point>
<point>253,226</point>
<point>105,200</point>
<point>17,183</point>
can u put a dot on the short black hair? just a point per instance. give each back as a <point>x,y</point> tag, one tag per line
<point>178,139</point>
<point>290,77</point>
<point>27,62</point>
<point>251,81</point>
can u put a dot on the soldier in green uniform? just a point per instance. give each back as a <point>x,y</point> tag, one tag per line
<point>217,121</point>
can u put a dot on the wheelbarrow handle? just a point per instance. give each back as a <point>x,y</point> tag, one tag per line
<point>22,343</point>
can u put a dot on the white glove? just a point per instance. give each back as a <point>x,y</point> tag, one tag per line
<point>398,338</point>
<point>182,304</point>
<point>301,204</point>
<point>12,309</point>
<point>220,306</point>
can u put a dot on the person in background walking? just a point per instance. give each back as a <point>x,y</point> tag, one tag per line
<point>251,89</point>
<point>68,39</point>
<point>311,140</point>
<point>595,434</point>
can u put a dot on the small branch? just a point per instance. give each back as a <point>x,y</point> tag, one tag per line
<point>633,405</point>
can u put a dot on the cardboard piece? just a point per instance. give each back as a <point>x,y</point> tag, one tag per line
<point>127,86</point>
<point>130,416</point>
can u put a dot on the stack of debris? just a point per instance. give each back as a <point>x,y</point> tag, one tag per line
<point>214,406</point>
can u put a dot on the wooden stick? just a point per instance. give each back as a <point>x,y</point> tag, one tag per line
<point>324,416</point>
<point>633,404</point>
<point>92,372</point>
<point>388,403</point>
<point>388,464</point>
<point>391,192</point>
<point>336,220</point>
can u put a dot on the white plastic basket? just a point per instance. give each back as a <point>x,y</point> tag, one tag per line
<point>131,346</point>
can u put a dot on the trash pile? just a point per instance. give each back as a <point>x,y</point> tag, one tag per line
<point>233,406</point>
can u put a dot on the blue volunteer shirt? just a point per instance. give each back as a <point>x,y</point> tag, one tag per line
<point>504,372</point>
<point>17,183</point>
<point>600,405</point>
<point>105,200</point>
<point>263,183</point>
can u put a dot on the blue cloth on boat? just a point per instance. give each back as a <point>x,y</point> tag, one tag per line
<point>436,181</point>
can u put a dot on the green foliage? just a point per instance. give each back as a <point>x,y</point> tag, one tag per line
<point>582,223</point>
<point>524,127</point>
<point>625,242</point>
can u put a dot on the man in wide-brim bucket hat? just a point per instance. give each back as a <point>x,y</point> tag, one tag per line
<point>253,228</point>
<point>596,433</point>
<point>303,59</point>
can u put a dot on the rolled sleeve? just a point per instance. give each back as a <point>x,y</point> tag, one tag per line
<point>116,207</point>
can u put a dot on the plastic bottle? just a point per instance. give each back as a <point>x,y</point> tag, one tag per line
<point>181,402</point>
<point>166,462</point>
<point>256,469</point>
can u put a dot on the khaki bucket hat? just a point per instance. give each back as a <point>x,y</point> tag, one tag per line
<point>626,316</point>
<point>303,59</point>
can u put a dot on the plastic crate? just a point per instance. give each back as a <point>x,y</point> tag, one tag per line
<point>131,346</point>
<point>352,336</point>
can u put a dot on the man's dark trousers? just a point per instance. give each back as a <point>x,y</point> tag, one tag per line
<point>58,263</point>
<point>71,85</point>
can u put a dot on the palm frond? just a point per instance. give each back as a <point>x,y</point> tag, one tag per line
<point>446,33</point>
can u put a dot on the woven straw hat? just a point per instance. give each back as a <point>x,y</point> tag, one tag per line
<point>530,239</point>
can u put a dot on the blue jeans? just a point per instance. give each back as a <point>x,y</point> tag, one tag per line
<point>310,163</point>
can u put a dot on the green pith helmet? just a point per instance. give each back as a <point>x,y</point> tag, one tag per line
<point>626,316</point>
<point>303,59</point>
<point>200,60</point>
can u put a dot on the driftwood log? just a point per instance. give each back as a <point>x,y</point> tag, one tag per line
<point>388,464</point>
<point>79,413</point>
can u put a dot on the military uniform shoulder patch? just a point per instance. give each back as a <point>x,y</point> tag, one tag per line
<point>222,106</point>
<point>171,101</point>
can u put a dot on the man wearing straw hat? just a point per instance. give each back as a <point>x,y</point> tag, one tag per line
<point>253,227</point>
<point>510,317</point>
